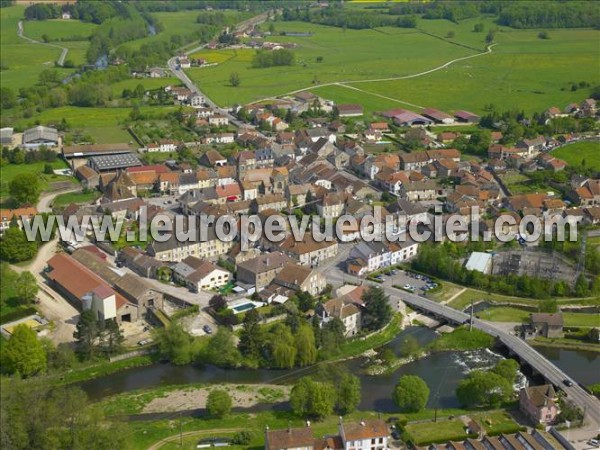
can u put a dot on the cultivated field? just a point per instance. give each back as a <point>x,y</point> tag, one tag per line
<point>575,153</point>
<point>520,71</point>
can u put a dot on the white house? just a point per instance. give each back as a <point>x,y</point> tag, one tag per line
<point>365,435</point>
<point>218,120</point>
<point>196,100</point>
<point>347,312</point>
<point>198,274</point>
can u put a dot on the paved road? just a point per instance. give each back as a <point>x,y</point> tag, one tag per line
<point>64,51</point>
<point>398,297</point>
<point>52,305</point>
<point>179,73</point>
<point>589,403</point>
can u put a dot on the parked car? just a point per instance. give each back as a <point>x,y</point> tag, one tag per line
<point>594,442</point>
<point>207,329</point>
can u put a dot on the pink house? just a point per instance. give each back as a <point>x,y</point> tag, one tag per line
<point>539,403</point>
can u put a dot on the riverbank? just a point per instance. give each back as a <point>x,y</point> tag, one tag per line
<point>565,343</point>
<point>175,399</point>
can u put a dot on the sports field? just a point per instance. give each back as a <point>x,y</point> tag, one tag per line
<point>521,70</point>
<point>575,153</point>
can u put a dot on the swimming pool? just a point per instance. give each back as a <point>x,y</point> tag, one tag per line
<point>243,307</point>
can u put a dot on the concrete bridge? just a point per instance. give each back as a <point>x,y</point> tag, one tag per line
<point>517,346</point>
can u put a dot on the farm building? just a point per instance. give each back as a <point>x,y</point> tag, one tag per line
<point>35,137</point>
<point>114,162</point>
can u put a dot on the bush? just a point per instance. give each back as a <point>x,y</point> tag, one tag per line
<point>218,403</point>
<point>242,438</point>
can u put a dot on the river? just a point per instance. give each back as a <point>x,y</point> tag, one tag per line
<point>441,371</point>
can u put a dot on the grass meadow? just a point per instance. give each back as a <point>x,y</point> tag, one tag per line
<point>522,70</point>
<point>347,55</point>
<point>181,23</point>
<point>23,61</point>
<point>575,153</point>
<point>58,29</point>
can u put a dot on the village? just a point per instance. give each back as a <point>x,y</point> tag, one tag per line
<point>289,304</point>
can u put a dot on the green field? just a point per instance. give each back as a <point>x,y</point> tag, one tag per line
<point>22,61</point>
<point>522,69</point>
<point>573,154</point>
<point>347,55</point>
<point>181,23</point>
<point>57,30</point>
<point>105,125</point>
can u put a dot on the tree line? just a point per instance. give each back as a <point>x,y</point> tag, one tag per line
<point>572,14</point>
<point>292,342</point>
<point>95,12</point>
<point>338,16</point>
<point>270,58</point>
<point>442,261</point>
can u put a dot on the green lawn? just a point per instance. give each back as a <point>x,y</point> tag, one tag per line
<point>441,431</point>
<point>76,197</point>
<point>504,314</point>
<point>473,295</point>
<point>463,339</point>
<point>10,171</point>
<point>508,314</point>
<point>575,153</point>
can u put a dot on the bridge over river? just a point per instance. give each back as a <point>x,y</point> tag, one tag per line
<point>517,346</point>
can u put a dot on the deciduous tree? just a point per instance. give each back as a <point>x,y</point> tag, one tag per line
<point>24,353</point>
<point>411,393</point>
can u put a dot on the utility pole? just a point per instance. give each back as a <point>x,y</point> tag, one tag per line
<point>180,430</point>
<point>471,319</point>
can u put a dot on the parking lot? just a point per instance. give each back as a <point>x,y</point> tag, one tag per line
<point>419,284</point>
